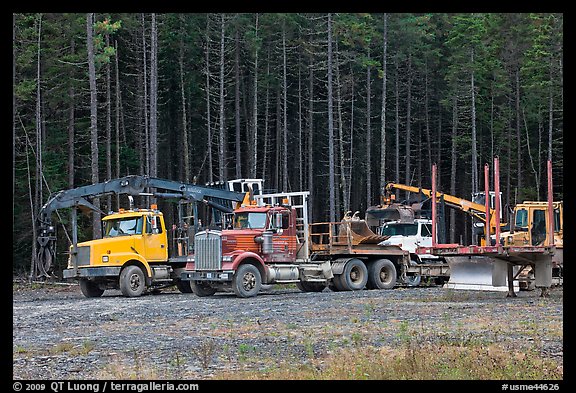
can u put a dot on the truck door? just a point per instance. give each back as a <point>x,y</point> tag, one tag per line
<point>155,239</point>
<point>425,238</point>
<point>284,238</point>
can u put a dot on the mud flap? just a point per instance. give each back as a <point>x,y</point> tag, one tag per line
<point>479,273</point>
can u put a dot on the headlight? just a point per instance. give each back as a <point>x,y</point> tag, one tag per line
<point>104,258</point>
<point>227,258</point>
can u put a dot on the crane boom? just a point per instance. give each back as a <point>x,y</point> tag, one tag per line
<point>477,210</point>
<point>132,185</point>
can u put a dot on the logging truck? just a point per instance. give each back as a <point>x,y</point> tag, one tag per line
<point>139,251</point>
<point>270,241</point>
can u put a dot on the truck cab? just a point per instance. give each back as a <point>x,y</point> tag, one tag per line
<point>530,225</point>
<point>409,236</point>
<point>131,255</point>
<point>256,237</point>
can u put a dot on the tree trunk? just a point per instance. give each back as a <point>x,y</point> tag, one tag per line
<point>266,119</point>
<point>397,133</point>
<point>117,121</point>
<point>474,147</point>
<point>278,140</point>
<point>39,197</point>
<point>237,104</point>
<point>13,113</point>
<point>311,138</point>
<point>71,124</point>
<point>408,120</point>
<point>147,152</point>
<point>154,99</point>
<point>383,111</point>
<point>368,134</point>
<point>254,147</point>
<point>222,134</point>
<point>518,137</point>
<point>300,155</point>
<point>96,225</point>
<point>351,150</point>
<point>343,184</point>
<point>284,114</point>
<point>453,165</point>
<point>185,148</point>
<point>331,185</point>
<point>427,119</point>
<point>108,128</point>
<point>550,115</point>
<point>208,112</point>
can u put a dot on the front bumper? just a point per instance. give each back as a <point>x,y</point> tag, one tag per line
<point>207,276</point>
<point>86,272</point>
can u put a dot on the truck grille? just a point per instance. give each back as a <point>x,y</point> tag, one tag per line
<point>83,256</point>
<point>208,250</point>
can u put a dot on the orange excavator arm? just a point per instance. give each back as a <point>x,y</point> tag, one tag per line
<point>475,209</point>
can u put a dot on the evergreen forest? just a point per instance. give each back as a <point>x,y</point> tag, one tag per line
<point>336,104</point>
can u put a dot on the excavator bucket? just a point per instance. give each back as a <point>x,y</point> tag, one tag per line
<point>362,234</point>
<point>479,273</point>
<point>376,215</point>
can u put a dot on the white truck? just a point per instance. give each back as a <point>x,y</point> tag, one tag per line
<point>409,236</point>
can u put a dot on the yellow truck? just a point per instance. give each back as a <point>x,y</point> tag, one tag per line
<point>135,252</point>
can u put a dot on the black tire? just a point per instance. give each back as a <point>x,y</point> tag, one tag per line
<point>90,288</point>
<point>413,280</point>
<point>132,281</point>
<point>354,277</point>
<point>184,286</point>
<point>310,286</point>
<point>202,289</point>
<point>247,281</point>
<point>381,274</point>
<point>334,284</point>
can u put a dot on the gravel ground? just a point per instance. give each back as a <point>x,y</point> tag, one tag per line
<point>59,334</point>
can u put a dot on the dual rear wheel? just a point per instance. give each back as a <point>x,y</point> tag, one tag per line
<point>377,274</point>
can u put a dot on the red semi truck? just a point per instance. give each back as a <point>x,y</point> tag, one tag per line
<point>270,241</point>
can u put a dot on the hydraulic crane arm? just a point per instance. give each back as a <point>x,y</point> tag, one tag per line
<point>477,210</point>
<point>131,185</point>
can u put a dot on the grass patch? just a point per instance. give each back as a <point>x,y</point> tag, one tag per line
<point>415,362</point>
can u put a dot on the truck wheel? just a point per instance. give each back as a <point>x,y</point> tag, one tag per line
<point>202,289</point>
<point>413,281</point>
<point>132,281</point>
<point>90,288</point>
<point>184,286</point>
<point>335,285</point>
<point>247,281</point>
<point>354,276</point>
<point>310,286</point>
<point>381,274</point>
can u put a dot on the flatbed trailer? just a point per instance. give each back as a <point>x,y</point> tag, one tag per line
<point>271,242</point>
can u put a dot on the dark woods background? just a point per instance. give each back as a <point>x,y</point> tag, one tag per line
<point>337,104</point>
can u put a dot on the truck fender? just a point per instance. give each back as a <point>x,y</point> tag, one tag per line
<point>135,259</point>
<point>245,255</point>
<point>338,265</point>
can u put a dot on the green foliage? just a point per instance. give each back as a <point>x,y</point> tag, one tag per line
<point>436,53</point>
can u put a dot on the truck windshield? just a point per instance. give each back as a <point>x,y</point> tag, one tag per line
<point>400,229</point>
<point>249,220</point>
<point>123,227</point>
